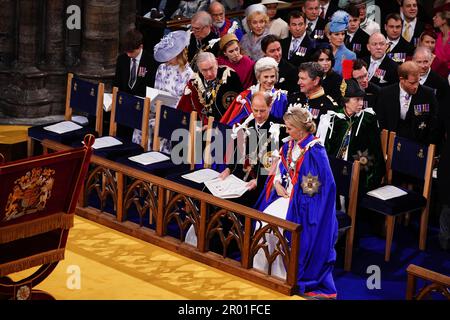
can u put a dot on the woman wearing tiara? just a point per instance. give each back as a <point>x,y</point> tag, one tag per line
<point>302,190</point>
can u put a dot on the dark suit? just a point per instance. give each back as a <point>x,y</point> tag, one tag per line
<point>318,33</point>
<point>303,52</point>
<point>332,8</point>
<point>287,76</point>
<point>387,72</point>
<point>439,85</point>
<point>332,84</point>
<point>195,47</point>
<point>147,66</point>
<point>420,123</point>
<point>372,94</point>
<point>359,43</point>
<point>420,27</point>
<point>401,51</point>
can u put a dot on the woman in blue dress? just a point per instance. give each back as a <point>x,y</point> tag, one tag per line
<point>335,32</point>
<point>304,187</point>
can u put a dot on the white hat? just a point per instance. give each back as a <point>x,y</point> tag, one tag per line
<point>171,45</point>
<point>280,4</point>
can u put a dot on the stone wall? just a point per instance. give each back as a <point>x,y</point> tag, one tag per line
<point>40,42</point>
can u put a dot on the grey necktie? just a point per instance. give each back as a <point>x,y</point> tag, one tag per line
<point>132,80</point>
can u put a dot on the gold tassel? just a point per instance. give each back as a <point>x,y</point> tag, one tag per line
<point>35,226</point>
<point>31,261</point>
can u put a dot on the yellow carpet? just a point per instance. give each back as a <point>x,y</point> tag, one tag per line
<point>13,134</point>
<point>116,266</point>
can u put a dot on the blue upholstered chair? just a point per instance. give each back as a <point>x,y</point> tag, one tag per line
<point>411,160</point>
<point>131,112</point>
<point>167,120</point>
<point>82,97</point>
<point>346,177</point>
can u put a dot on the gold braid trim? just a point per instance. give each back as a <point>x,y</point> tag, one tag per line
<point>35,227</point>
<point>32,261</point>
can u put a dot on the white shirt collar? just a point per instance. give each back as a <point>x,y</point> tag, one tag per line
<point>139,56</point>
<point>412,23</point>
<point>314,22</point>
<point>424,78</point>
<point>377,60</point>
<point>394,42</point>
<point>300,39</point>
<point>403,93</point>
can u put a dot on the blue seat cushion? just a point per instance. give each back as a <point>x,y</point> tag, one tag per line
<point>160,169</point>
<point>39,133</point>
<point>126,149</point>
<point>344,221</point>
<point>409,202</point>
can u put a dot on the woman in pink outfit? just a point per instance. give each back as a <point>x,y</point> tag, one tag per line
<point>441,21</point>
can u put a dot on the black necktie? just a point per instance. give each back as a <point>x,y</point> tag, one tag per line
<point>347,40</point>
<point>309,29</point>
<point>132,80</point>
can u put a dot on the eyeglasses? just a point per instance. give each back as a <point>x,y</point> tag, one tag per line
<point>196,29</point>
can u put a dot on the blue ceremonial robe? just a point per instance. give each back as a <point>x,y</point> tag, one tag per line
<point>317,216</point>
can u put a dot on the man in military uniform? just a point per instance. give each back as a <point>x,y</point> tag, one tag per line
<point>211,90</point>
<point>352,133</point>
<point>312,94</point>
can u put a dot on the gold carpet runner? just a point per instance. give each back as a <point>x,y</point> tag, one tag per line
<point>112,265</point>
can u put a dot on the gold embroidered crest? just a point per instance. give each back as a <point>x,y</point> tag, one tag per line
<point>92,92</point>
<point>343,87</point>
<point>30,193</point>
<point>165,115</point>
<point>184,121</point>
<point>75,86</point>
<point>120,99</point>
<point>420,154</point>
<point>267,160</point>
<point>228,98</point>
<point>138,106</point>
<point>399,146</point>
<point>310,184</point>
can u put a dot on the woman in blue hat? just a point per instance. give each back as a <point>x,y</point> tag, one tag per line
<point>335,32</point>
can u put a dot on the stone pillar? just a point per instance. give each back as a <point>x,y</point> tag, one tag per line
<point>7,44</point>
<point>26,96</point>
<point>54,48</point>
<point>100,40</point>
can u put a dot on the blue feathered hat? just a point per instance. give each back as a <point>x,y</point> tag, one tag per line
<point>339,21</point>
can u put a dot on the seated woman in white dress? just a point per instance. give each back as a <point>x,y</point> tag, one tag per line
<point>303,191</point>
<point>172,74</point>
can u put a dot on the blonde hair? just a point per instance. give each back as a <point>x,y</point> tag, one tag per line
<point>300,118</point>
<point>182,59</point>
<point>253,15</point>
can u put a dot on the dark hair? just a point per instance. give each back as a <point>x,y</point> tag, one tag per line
<point>395,16</point>
<point>313,69</point>
<point>429,31</point>
<point>353,11</point>
<point>315,56</point>
<point>133,40</point>
<point>296,14</point>
<point>270,38</point>
<point>358,64</point>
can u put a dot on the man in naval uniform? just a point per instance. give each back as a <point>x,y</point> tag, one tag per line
<point>312,94</point>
